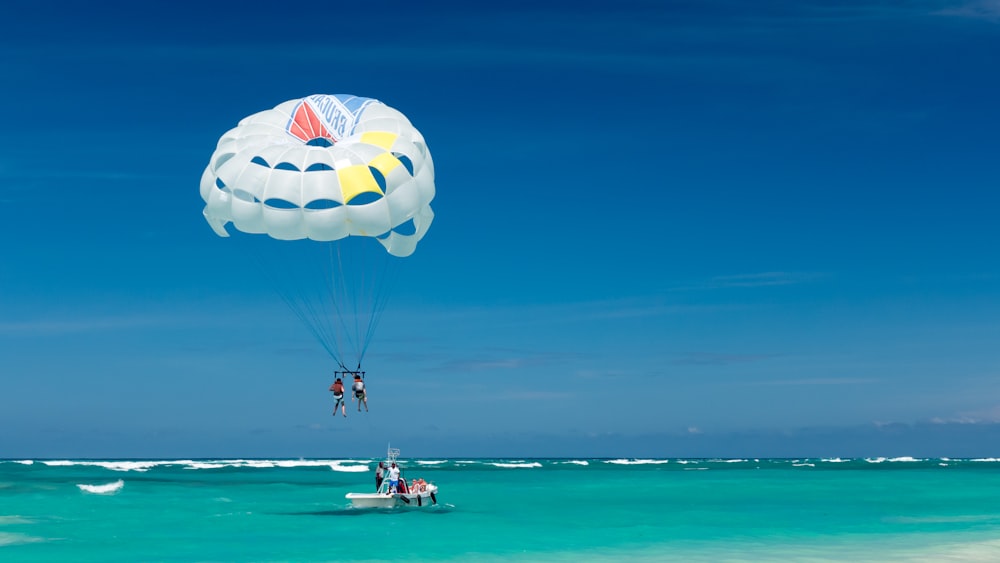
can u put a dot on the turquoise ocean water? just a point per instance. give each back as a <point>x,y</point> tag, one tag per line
<point>496,509</point>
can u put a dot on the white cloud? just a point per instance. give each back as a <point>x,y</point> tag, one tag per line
<point>599,374</point>
<point>978,9</point>
<point>502,360</point>
<point>718,359</point>
<point>763,279</point>
<point>59,326</point>
<point>983,416</point>
<point>534,395</point>
<point>561,313</point>
<point>88,322</point>
<point>759,279</point>
<point>820,381</point>
<point>484,365</point>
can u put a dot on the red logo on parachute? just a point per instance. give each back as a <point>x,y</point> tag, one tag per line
<point>307,126</point>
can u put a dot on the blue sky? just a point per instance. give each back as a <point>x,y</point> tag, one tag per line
<point>662,229</point>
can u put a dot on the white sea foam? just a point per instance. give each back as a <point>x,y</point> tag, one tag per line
<point>213,464</point>
<point>106,489</point>
<point>695,469</point>
<point>205,465</point>
<point>513,465</point>
<point>803,465</point>
<point>25,462</point>
<point>219,463</point>
<point>638,461</point>
<point>289,463</point>
<point>834,460</point>
<point>338,466</point>
<point>574,462</point>
<point>259,464</point>
<point>60,463</point>
<point>905,459</point>
<point>986,459</point>
<point>130,465</point>
<point>268,463</point>
<point>874,459</point>
<point>17,539</point>
<point>243,464</point>
<point>431,462</point>
<point>112,465</point>
<point>7,520</point>
<point>878,550</point>
<point>685,461</point>
<point>961,518</point>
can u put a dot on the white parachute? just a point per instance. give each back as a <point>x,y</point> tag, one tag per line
<point>321,169</point>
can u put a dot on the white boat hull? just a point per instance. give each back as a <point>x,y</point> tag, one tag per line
<point>389,500</point>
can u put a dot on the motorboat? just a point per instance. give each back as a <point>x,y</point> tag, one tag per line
<point>416,493</point>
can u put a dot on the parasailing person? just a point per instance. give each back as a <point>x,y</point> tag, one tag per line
<point>341,185</point>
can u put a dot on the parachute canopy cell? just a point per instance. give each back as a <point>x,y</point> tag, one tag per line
<point>323,167</point>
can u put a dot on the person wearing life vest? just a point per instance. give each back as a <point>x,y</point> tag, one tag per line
<point>338,394</point>
<point>359,392</point>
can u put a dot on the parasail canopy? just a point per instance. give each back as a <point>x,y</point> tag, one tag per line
<point>321,169</point>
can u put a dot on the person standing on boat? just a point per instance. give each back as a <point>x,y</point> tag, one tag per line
<point>393,478</point>
<point>360,393</point>
<point>338,394</point>
<point>379,476</point>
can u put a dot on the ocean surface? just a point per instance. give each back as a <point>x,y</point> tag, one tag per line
<point>900,509</point>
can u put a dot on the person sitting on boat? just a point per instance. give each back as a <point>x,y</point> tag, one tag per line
<point>393,478</point>
<point>338,394</point>
<point>359,392</point>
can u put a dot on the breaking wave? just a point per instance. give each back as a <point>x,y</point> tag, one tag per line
<point>637,461</point>
<point>516,464</point>
<point>361,465</point>
<point>106,489</point>
<point>354,468</point>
